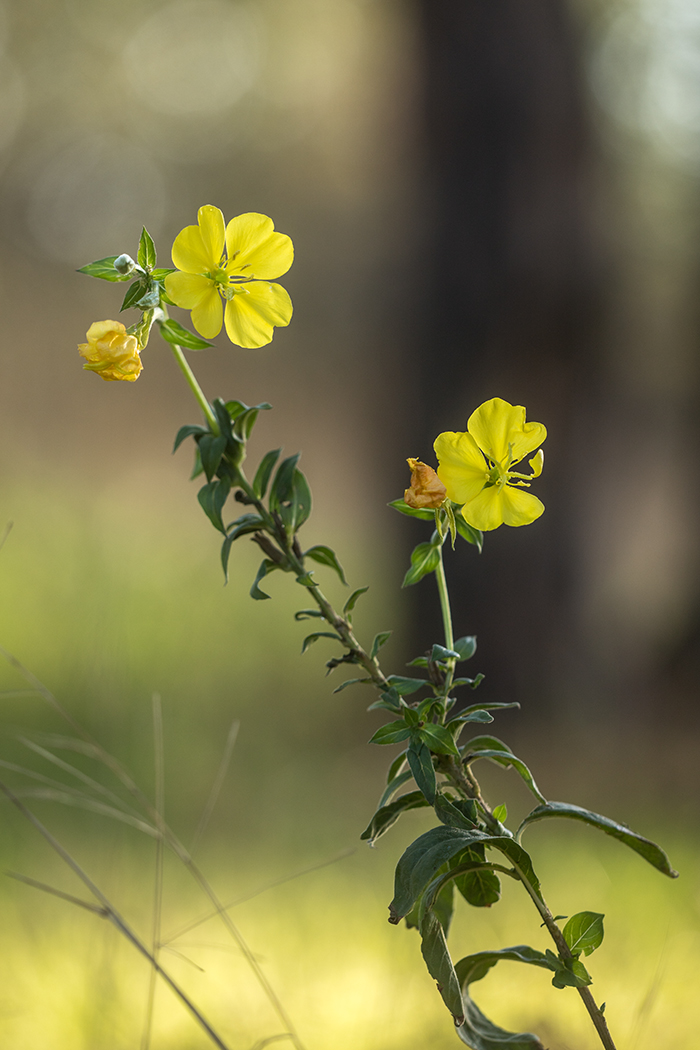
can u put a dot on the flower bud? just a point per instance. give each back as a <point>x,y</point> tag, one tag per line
<point>111,351</point>
<point>426,491</point>
<point>124,264</point>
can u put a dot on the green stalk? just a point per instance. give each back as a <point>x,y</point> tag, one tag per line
<point>446,618</point>
<point>195,388</point>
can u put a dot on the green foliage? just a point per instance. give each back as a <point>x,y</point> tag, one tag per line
<point>424,559</point>
<point>175,333</point>
<point>326,556</point>
<point>104,270</point>
<point>584,932</point>
<point>644,847</point>
<point>386,816</point>
<point>146,257</point>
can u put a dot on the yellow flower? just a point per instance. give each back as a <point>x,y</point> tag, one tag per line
<point>111,352</point>
<point>476,467</point>
<point>426,488</point>
<point>255,254</point>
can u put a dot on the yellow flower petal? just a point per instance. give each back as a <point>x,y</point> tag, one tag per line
<point>502,505</point>
<point>254,311</point>
<point>497,424</point>
<point>255,250</point>
<point>537,463</point>
<point>187,289</point>
<point>462,469</point>
<point>207,315</point>
<point>211,225</point>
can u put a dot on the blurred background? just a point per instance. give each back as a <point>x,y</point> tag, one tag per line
<point>487,198</point>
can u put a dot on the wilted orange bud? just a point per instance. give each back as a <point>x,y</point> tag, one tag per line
<point>111,352</point>
<point>426,488</point>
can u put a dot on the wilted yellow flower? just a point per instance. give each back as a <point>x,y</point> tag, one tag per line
<point>475,467</point>
<point>111,351</point>
<point>426,488</point>
<point>240,277</point>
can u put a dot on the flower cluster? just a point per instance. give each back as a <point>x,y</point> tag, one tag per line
<point>111,351</point>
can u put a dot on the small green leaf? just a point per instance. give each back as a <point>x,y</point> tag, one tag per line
<point>448,813</point>
<point>307,614</point>
<point>211,449</point>
<point>468,533</point>
<point>466,647</point>
<point>173,332</point>
<point>104,270</point>
<point>386,816</point>
<point>352,681</point>
<point>352,600</point>
<point>421,762</point>
<point>471,682</point>
<point>501,813</point>
<point>262,474</point>
<point>412,512</point>
<point>424,559</point>
<point>420,661</point>
<point>438,739</point>
<point>326,556</point>
<point>190,430</point>
<point>439,652</point>
<point>212,498</point>
<point>161,273</point>
<point>265,569</point>
<point>133,294</point>
<point>391,733</point>
<point>282,486</point>
<point>311,638</point>
<point>406,686</point>
<point>147,250</point>
<point>242,526</point>
<point>644,847</point>
<point>379,641</point>
<point>569,973</point>
<point>584,932</point>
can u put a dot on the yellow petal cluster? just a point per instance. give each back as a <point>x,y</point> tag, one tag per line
<point>224,275</point>
<point>426,488</point>
<point>476,466</point>
<point>111,351</point>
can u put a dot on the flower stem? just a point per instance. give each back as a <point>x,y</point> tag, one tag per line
<point>446,617</point>
<point>195,388</point>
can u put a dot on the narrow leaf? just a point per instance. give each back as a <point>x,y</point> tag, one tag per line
<point>212,498</point>
<point>262,474</point>
<point>424,559</point>
<point>211,449</point>
<point>326,556</point>
<point>391,733</point>
<point>509,761</point>
<point>189,430</point>
<point>147,250</point>
<point>438,739</point>
<point>421,762</point>
<point>104,270</point>
<point>379,641</point>
<point>387,815</point>
<point>311,638</point>
<point>644,847</point>
<point>440,967</point>
<point>352,681</point>
<point>266,567</point>
<point>173,332</point>
<point>133,294</point>
<point>352,600</point>
<point>394,784</point>
<point>406,686</point>
<point>468,533</point>
<point>422,860</point>
<point>412,512</point>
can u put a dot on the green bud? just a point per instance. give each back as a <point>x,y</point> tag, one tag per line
<point>124,264</point>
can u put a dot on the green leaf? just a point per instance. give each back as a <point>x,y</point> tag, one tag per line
<point>197,468</point>
<point>244,422</point>
<point>443,906</point>
<point>485,743</point>
<point>104,270</point>
<point>161,273</point>
<point>421,762</point>
<point>438,739</point>
<point>437,959</point>
<point>501,813</point>
<point>424,559</point>
<point>584,932</point>
<point>379,641</point>
<point>173,332</point>
<point>488,707</point>
<point>519,858</point>
<point>352,681</point>
<point>386,816</point>
<point>212,498</point>
<point>477,1031</point>
<point>352,600</point>
<point>391,733</point>
<point>326,556</point>
<point>395,766</point>
<point>466,647</point>
<point>262,474</point>
<point>644,847</point>
<point>246,524</point>
<point>448,813</point>
<point>455,725</point>
<point>133,294</point>
<point>282,486</point>
<point>422,861</point>
<point>265,569</point>
<point>468,533</point>
<point>508,760</point>
<point>147,251</point>
<point>311,638</point>
<point>307,614</point>
<point>389,701</point>
<point>406,686</point>
<point>395,783</point>
<point>191,429</point>
<point>568,973</point>
<point>439,652</point>
<point>412,512</point>
<point>471,682</point>
<point>480,888</point>
<point>211,449</point>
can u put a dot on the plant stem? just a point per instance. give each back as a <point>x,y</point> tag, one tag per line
<point>446,618</point>
<point>195,387</point>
